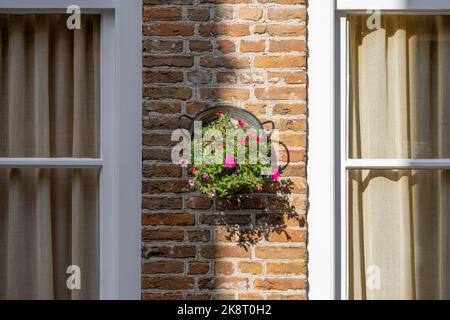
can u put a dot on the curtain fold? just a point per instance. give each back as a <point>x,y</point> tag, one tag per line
<point>49,107</point>
<point>399,225</point>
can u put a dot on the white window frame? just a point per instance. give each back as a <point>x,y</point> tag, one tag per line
<point>328,162</point>
<point>121,138</point>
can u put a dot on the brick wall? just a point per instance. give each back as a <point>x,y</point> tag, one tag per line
<point>203,53</point>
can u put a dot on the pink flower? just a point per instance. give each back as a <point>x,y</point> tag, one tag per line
<point>183,163</point>
<point>243,141</point>
<point>258,139</point>
<point>221,146</point>
<point>250,134</point>
<point>191,182</point>
<point>275,174</point>
<point>229,161</point>
<point>259,188</point>
<point>194,169</point>
<point>205,176</point>
<point>220,113</point>
<point>240,122</point>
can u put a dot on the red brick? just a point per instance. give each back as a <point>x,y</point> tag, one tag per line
<point>169,29</point>
<point>165,13</point>
<point>168,219</point>
<point>280,284</point>
<point>162,235</point>
<point>167,283</point>
<point>173,266</point>
<point>217,251</point>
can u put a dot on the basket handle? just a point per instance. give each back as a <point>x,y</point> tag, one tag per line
<point>181,117</point>
<point>273,127</point>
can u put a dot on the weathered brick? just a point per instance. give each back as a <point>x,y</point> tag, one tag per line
<point>199,202</point>
<point>280,93</point>
<point>217,251</point>
<point>168,219</point>
<point>225,93</point>
<point>223,29</point>
<point>224,62</point>
<point>169,29</point>
<point>162,296</point>
<point>167,283</point>
<point>152,170</point>
<point>226,77</point>
<point>225,1</point>
<point>173,266</point>
<point>162,77</point>
<point>163,46</point>
<point>250,267</point>
<point>286,77</point>
<point>198,267</point>
<point>200,45</point>
<point>199,296</point>
<point>253,45</point>
<point>164,186</point>
<point>247,13</point>
<point>287,46</point>
<point>162,235</point>
<point>287,236</point>
<point>199,235</point>
<point>214,283</point>
<point>281,30</point>
<point>283,1</point>
<point>162,107</point>
<point>176,93</point>
<point>158,139</point>
<point>223,267</point>
<point>280,61</point>
<point>198,14</point>
<point>226,46</point>
<point>153,203</point>
<point>286,13</point>
<point>169,61</point>
<point>162,13</point>
<point>280,284</point>
<point>169,252</point>
<point>286,268</point>
<point>289,109</point>
<point>280,252</point>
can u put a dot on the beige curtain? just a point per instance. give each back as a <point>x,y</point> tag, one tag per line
<point>399,220</point>
<point>49,107</point>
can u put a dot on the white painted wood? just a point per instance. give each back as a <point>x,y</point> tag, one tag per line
<point>387,164</point>
<point>321,162</point>
<point>50,162</point>
<point>393,4</point>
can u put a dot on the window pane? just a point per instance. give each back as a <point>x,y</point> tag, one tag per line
<point>49,86</point>
<point>399,234</point>
<point>399,87</point>
<point>49,221</point>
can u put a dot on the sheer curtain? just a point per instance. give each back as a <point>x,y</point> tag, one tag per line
<point>399,220</point>
<point>49,107</point>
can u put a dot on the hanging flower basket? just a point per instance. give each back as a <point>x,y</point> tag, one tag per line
<point>227,163</point>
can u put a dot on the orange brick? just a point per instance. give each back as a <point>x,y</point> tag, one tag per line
<point>215,283</point>
<point>253,14</point>
<point>281,30</point>
<point>280,61</point>
<point>280,93</point>
<point>289,109</point>
<point>280,284</point>
<point>226,46</point>
<point>224,29</point>
<point>169,30</point>
<point>287,236</point>
<point>253,46</point>
<point>286,268</point>
<point>217,251</point>
<point>223,267</point>
<point>250,267</point>
<point>286,14</point>
<point>281,252</point>
<point>293,140</point>
<point>286,77</point>
<point>225,93</point>
<point>287,46</point>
